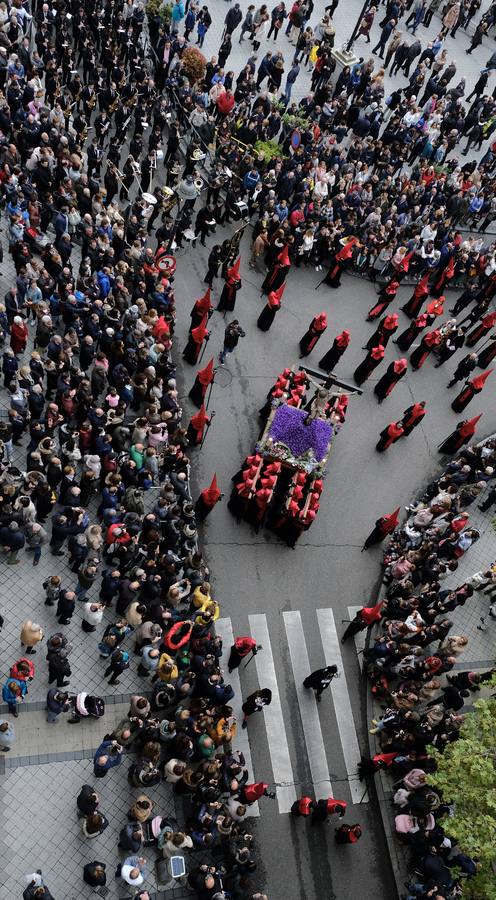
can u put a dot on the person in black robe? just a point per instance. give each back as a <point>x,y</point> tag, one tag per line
<point>269,311</point>
<point>332,357</point>
<point>372,360</point>
<point>313,334</point>
<point>410,335</point>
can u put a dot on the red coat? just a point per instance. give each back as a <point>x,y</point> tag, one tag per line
<point>18,337</point>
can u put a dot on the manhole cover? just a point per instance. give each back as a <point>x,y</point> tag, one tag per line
<point>223,377</point>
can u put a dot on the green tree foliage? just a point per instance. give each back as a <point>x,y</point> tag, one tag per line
<point>466,776</point>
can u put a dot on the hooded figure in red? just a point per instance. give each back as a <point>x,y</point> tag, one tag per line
<point>383,526</point>
<point>207,500</point>
<point>372,360</point>
<point>483,328</point>
<point>394,373</point>
<point>196,427</point>
<point>386,296</point>
<point>364,618</point>
<point>473,387</point>
<point>196,337</point>
<point>268,313</point>
<point>384,332</point>
<point>338,264</point>
<point>332,357</point>
<point>462,434</point>
<point>443,277</point>
<point>232,285</point>
<point>315,331</point>
<point>429,342</point>
<point>413,417</point>
<point>204,377</point>
<point>201,308</point>
<point>414,305</point>
<point>277,275</point>
<point>410,334</point>
<point>388,436</point>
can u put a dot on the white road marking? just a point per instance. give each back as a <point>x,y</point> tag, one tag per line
<point>308,706</point>
<point>274,720</point>
<point>224,629</point>
<point>342,703</point>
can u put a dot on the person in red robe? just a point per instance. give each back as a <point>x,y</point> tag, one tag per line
<point>414,305</point>
<point>313,334</point>
<point>204,377</point>
<point>434,309</point>
<point>232,285</point>
<point>348,834</point>
<point>384,332</point>
<point>413,417</point>
<point>276,276</point>
<point>303,807</point>
<point>196,427</point>
<point>332,357</point>
<point>487,355</point>
<point>429,342</point>
<point>443,277</point>
<point>385,297</point>
<point>473,387</point>
<point>201,308</point>
<point>388,436</point>
<point>364,618</point>
<point>250,793</point>
<point>409,336</point>
<point>372,360</point>
<point>383,526</point>
<point>196,337</point>
<point>269,311</point>
<point>241,648</point>
<point>483,328</point>
<point>463,432</point>
<point>207,500</point>
<point>394,373</point>
<point>338,264</point>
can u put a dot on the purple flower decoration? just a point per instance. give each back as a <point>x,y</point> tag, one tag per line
<point>288,428</point>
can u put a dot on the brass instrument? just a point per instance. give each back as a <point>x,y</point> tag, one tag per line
<point>133,101</point>
<point>91,103</point>
<point>113,106</point>
<point>122,82</point>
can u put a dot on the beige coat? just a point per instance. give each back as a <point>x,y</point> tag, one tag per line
<point>31,633</point>
<point>451,17</point>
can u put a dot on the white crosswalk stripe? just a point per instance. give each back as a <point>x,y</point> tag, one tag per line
<point>342,703</point>
<point>241,742</point>
<point>274,719</point>
<point>309,715</point>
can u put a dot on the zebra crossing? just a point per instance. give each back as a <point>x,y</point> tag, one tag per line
<point>276,719</point>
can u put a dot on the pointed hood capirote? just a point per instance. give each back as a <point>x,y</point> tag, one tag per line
<point>212,494</point>
<point>206,376</point>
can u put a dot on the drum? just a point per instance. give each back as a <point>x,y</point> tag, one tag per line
<point>149,198</point>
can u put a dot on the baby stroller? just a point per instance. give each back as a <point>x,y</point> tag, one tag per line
<point>84,705</point>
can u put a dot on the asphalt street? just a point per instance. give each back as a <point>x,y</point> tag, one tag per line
<point>256,576</point>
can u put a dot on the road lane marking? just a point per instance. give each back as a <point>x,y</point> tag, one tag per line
<point>274,720</point>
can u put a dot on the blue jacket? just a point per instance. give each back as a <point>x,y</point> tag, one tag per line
<point>8,696</point>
